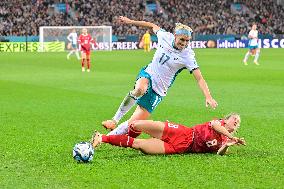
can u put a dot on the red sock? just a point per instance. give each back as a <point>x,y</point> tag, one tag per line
<point>88,63</point>
<point>83,62</point>
<point>118,140</point>
<point>132,132</point>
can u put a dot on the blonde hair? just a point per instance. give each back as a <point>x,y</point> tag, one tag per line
<point>236,115</point>
<point>182,26</point>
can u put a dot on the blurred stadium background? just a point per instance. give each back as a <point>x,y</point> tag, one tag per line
<point>47,104</point>
<point>211,20</point>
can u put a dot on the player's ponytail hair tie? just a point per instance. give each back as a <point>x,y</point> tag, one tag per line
<point>182,29</point>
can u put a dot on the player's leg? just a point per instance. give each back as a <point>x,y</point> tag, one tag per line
<point>83,58</point>
<point>143,114</point>
<point>253,52</point>
<point>256,56</point>
<point>139,114</point>
<point>69,47</point>
<point>150,127</point>
<point>148,146</point>
<point>246,57</point>
<point>128,102</point>
<point>146,105</point>
<point>70,53</point>
<point>77,54</point>
<point>145,47</point>
<point>88,54</point>
<point>148,47</point>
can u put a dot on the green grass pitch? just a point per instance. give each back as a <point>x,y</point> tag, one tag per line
<point>47,105</point>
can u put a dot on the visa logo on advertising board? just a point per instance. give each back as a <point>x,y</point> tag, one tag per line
<point>262,43</point>
<point>232,43</point>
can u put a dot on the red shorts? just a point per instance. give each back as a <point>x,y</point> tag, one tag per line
<point>86,52</point>
<point>177,138</point>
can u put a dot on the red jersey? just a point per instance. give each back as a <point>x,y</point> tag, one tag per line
<point>206,139</point>
<point>85,42</point>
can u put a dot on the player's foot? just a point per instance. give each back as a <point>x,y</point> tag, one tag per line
<point>88,70</point>
<point>83,69</point>
<point>109,124</point>
<point>256,63</point>
<point>67,57</point>
<point>96,139</point>
<point>245,63</point>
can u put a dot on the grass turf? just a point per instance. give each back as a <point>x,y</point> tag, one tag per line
<point>47,105</point>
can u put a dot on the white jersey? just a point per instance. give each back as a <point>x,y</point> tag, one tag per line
<point>168,62</point>
<point>73,38</point>
<point>254,41</point>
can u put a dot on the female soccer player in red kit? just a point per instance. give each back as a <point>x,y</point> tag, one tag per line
<point>85,41</point>
<point>215,136</point>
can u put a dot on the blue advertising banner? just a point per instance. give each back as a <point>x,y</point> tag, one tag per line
<point>262,43</point>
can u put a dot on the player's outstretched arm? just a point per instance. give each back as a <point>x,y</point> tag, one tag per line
<point>204,88</point>
<point>125,20</point>
<point>216,126</point>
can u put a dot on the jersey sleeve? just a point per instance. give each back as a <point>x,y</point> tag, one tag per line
<point>215,121</point>
<point>190,61</point>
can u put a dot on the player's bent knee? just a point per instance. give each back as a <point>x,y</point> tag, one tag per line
<point>137,92</point>
<point>137,143</point>
<point>136,124</point>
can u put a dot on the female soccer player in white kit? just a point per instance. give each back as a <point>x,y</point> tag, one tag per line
<point>73,39</point>
<point>172,56</point>
<point>253,46</point>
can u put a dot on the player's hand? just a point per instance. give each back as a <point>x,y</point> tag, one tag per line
<point>124,20</point>
<point>236,141</point>
<point>211,102</point>
<point>241,141</point>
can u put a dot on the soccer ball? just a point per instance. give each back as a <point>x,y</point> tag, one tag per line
<point>83,152</point>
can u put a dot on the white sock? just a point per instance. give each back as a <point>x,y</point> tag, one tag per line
<point>256,56</point>
<point>77,54</point>
<point>121,129</point>
<point>246,57</point>
<point>69,53</point>
<point>127,103</point>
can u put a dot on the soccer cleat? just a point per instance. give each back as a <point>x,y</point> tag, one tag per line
<point>245,63</point>
<point>83,69</point>
<point>109,124</point>
<point>88,70</point>
<point>96,139</point>
<point>256,63</point>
